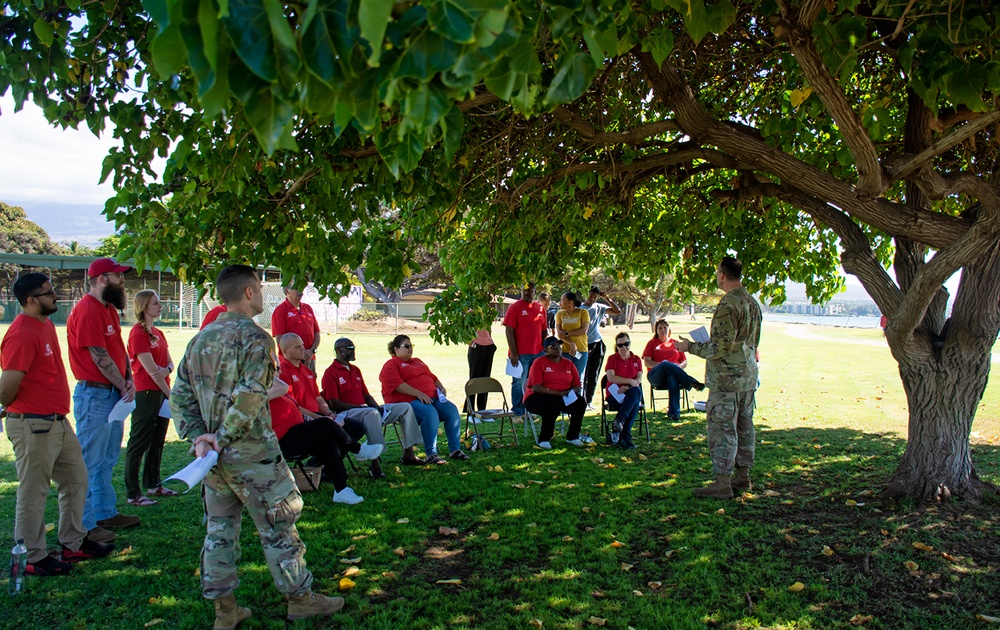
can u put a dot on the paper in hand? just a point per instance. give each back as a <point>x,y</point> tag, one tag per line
<point>613,390</point>
<point>121,411</point>
<point>513,371</point>
<point>164,411</point>
<point>441,396</point>
<point>699,334</point>
<point>192,474</point>
<point>570,398</point>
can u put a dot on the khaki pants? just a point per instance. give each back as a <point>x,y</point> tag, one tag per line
<point>46,451</point>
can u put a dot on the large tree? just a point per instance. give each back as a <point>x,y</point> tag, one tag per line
<point>519,137</point>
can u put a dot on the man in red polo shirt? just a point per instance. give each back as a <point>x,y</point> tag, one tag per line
<point>525,326</point>
<point>212,315</point>
<point>100,364</point>
<point>34,391</point>
<point>304,390</point>
<point>345,391</point>
<point>293,316</point>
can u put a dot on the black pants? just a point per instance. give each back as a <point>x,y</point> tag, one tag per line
<point>145,439</point>
<point>480,365</point>
<point>594,362</point>
<point>549,406</point>
<point>324,439</point>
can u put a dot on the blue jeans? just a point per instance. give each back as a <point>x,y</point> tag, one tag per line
<point>673,378</point>
<point>430,416</point>
<point>581,363</point>
<point>517,385</point>
<point>628,410</point>
<point>101,441</point>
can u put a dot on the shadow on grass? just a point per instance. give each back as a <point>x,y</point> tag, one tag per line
<point>569,535</point>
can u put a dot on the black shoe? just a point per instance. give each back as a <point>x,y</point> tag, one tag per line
<point>617,427</point>
<point>674,417</point>
<point>375,470</point>
<point>698,385</point>
<point>48,566</point>
<point>87,551</point>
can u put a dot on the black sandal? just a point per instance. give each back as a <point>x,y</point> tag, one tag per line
<point>459,455</point>
<point>412,461</point>
<point>436,459</point>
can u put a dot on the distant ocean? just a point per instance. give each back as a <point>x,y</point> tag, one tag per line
<point>823,320</point>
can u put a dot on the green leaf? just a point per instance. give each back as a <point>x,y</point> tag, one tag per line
<point>660,43</point>
<point>169,52</point>
<point>159,11</point>
<point>327,41</point>
<point>502,84</point>
<point>427,54</point>
<point>572,79</point>
<point>214,99</point>
<point>280,27</point>
<point>424,106</point>
<point>965,85</point>
<point>453,128</point>
<point>208,24</point>
<point>250,30</point>
<point>44,31</point>
<point>491,26</point>
<point>373,16</point>
<point>457,19</point>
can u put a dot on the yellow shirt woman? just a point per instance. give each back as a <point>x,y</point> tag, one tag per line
<point>573,321</point>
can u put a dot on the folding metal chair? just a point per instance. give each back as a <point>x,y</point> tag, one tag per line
<point>473,388</point>
<point>610,404</point>
<point>298,463</point>
<point>685,400</point>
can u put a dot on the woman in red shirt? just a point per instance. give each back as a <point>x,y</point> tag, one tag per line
<point>407,379</point>
<point>624,371</point>
<point>550,380</point>
<point>666,368</point>
<point>151,365</point>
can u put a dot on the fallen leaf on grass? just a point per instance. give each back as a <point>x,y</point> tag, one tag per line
<point>597,621</point>
<point>348,550</point>
<point>797,587</point>
<point>948,557</point>
<point>359,537</point>
<point>627,567</point>
<point>720,511</point>
<point>346,584</point>
<point>403,521</point>
<point>617,545</point>
<point>536,623</point>
<point>638,593</point>
<point>771,493</point>
<point>597,593</point>
<point>813,531</point>
<point>654,585</point>
<point>922,547</point>
<point>49,527</point>
<point>567,539</point>
<point>538,482</point>
<point>790,538</point>
<point>850,502</point>
<point>399,552</point>
<point>988,619</point>
<point>799,462</point>
<point>447,531</point>
<point>571,485</point>
<point>519,486</point>
<point>911,565</point>
<point>350,560</point>
<point>349,571</point>
<point>827,551</point>
<point>532,525</point>
<point>860,619</point>
<point>642,457</point>
<point>451,581</point>
<point>152,622</point>
<point>498,469</point>
<point>588,529</point>
<point>598,485</point>
<point>493,536</point>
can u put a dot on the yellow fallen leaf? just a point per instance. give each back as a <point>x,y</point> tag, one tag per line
<point>850,502</point>
<point>790,538</point>
<point>536,623</point>
<point>567,539</point>
<point>498,469</point>
<point>948,557</point>
<point>532,525</point>
<point>348,550</point>
<point>452,581</point>
<point>359,537</point>
<point>447,531</point>
<point>349,571</point>
<point>350,560</point>
<point>346,584</point>
<point>403,521</point>
<point>598,485</point>
<point>911,565</point>
<point>493,536</point>
<point>922,547</point>
<point>771,493</point>
<point>627,567</point>
<point>152,622</point>
<point>827,551</point>
<point>860,619</point>
<point>642,457</point>
<point>626,459</point>
<point>399,552</point>
<point>538,482</point>
<point>617,545</point>
<point>586,509</point>
<point>569,485</point>
<point>988,619</point>
<point>797,587</point>
<point>654,585</point>
<point>638,593</point>
<point>813,531</point>
<point>597,621</point>
<point>720,511</point>
<point>519,486</point>
<point>49,527</point>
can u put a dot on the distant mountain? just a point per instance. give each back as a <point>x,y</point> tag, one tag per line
<point>67,222</point>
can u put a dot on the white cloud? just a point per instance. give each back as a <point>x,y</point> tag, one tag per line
<point>43,163</point>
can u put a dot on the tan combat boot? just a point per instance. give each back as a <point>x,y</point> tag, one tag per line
<point>721,489</point>
<point>741,480</point>
<point>312,604</point>
<point>227,614</point>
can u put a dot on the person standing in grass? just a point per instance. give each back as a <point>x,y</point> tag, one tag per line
<point>34,390</point>
<point>595,344</point>
<point>731,376</point>
<point>524,327</point>
<point>571,326</point>
<point>151,364</point>
<point>219,403</point>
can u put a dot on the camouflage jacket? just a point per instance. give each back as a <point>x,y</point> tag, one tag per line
<point>221,388</point>
<point>731,352</point>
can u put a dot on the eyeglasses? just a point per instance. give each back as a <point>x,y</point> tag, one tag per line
<point>49,292</point>
<point>624,345</point>
<point>346,348</point>
<point>408,346</point>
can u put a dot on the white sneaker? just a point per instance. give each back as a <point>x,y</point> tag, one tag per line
<point>489,419</point>
<point>369,452</point>
<point>347,496</point>
<point>586,439</point>
<point>590,407</point>
<point>576,442</point>
<point>545,445</point>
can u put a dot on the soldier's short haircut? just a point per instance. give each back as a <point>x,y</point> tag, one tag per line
<point>27,284</point>
<point>232,281</point>
<point>286,340</point>
<point>731,267</point>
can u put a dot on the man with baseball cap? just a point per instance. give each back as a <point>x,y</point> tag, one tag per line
<point>99,362</point>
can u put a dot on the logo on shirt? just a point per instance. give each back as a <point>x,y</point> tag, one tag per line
<point>48,350</point>
<point>111,330</point>
<point>524,312</point>
<point>154,342</point>
<point>342,380</point>
<point>548,369</point>
<point>295,379</point>
<point>291,314</point>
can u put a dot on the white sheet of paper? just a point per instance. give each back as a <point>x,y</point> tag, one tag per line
<point>192,474</point>
<point>513,371</point>
<point>613,390</point>
<point>385,412</point>
<point>577,355</point>
<point>164,411</point>
<point>570,398</point>
<point>700,335</point>
<point>441,396</point>
<point>340,418</point>
<point>121,411</point>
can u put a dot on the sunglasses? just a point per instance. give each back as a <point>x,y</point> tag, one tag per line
<point>624,345</point>
<point>346,348</point>
<point>408,346</point>
<point>49,292</point>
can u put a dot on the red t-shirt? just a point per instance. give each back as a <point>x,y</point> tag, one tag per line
<point>153,343</point>
<point>94,324</point>
<point>213,315</point>
<point>285,414</point>
<point>301,321</point>
<point>301,384</point>
<point>32,347</point>
<point>528,322</point>
<point>344,384</point>
<point>414,373</point>
<point>625,368</point>
<point>558,375</point>
<point>661,351</point>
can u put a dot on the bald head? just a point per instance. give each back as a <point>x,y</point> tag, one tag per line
<point>292,347</point>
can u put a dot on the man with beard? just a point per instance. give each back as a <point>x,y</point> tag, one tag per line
<point>98,360</point>
<point>33,388</point>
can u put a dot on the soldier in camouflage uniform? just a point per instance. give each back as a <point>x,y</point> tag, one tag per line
<point>731,375</point>
<point>220,402</point>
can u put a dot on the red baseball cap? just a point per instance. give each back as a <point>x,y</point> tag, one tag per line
<point>105,265</point>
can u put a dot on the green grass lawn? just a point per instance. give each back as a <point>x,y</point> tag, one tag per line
<point>574,538</point>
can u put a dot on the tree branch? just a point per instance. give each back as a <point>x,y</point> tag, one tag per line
<point>910,164</point>
<point>633,136</point>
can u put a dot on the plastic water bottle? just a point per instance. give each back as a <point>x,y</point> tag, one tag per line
<point>18,562</point>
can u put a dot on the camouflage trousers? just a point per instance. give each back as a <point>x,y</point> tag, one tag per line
<point>268,492</point>
<point>730,430</point>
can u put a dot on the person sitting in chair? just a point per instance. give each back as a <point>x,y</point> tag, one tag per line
<point>550,380</point>
<point>624,370</point>
<point>665,365</point>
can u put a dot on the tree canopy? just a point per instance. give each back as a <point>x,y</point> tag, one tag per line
<point>516,138</point>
